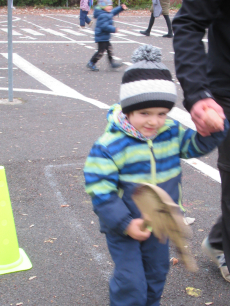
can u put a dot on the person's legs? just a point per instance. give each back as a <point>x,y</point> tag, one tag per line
<point>151,22</point>
<point>169,25</point>
<point>87,19</point>
<point>97,56</point>
<point>109,49</point>
<point>128,285</point>
<point>217,245</point>
<point>82,18</point>
<point>155,256</point>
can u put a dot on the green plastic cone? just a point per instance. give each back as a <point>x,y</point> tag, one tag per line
<point>12,258</point>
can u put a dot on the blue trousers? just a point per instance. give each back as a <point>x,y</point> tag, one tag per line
<point>84,18</point>
<point>140,270</point>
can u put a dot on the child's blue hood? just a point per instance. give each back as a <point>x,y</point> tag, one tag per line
<point>98,11</point>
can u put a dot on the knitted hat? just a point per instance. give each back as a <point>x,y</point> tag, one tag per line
<point>147,83</point>
<point>103,3</point>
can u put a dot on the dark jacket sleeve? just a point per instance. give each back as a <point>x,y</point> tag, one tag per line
<point>117,10</point>
<point>189,27</point>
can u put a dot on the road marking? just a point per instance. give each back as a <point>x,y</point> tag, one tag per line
<point>204,168</point>
<point>56,86</point>
<point>89,47</point>
<point>73,32</point>
<point>70,42</point>
<point>73,222</point>
<point>54,32</point>
<point>88,31</point>
<point>129,32</point>
<point>13,32</point>
<point>33,32</point>
<point>182,116</point>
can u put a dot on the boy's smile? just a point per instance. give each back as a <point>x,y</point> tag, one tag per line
<point>149,120</point>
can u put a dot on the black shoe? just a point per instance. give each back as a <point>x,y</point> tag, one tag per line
<point>145,33</point>
<point>168,35</point>
<point>116,65</point>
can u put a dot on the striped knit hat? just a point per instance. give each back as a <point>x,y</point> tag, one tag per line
<point>147,83</point>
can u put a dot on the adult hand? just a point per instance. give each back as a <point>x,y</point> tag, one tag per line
<point>124,7</point>
<point>134,230</point>
<point>198,113</point>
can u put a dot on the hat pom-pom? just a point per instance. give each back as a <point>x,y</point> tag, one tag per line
<point>148,53</point>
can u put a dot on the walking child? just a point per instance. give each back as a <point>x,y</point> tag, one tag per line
<point>85,6</point>
<point>104,13</point>
<point>140,146</point>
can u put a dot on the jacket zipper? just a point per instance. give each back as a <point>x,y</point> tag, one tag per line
<point>153,163</point>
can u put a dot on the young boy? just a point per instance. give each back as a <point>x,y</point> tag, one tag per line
<point>104,13</point>
<point>140,146</point>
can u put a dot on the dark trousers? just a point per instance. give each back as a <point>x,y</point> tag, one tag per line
<point>140,270</point>
<point>102,47</point>
<point>84,18</point>
<point>219,236</point>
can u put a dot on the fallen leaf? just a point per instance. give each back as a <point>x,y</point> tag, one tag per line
<point>18,304</point>
<point>92,222</point>
<point>96,246</point>
<point>193,291</point>
<point>209,303</point>
<point>32,225</point>
<point>65,205</point>
<point>175,261</point>
<point>32,277</point>
<point>200,230</point>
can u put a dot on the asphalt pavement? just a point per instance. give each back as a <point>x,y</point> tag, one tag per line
<point>44,143</point>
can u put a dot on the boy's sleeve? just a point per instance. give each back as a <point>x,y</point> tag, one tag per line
<point>101,183</point>
<point>192,144</point>
<point>117,10</point>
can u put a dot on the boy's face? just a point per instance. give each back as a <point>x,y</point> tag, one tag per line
<point>149,120</point>
<point>108,8</point>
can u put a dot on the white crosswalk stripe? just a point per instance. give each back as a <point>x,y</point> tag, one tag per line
<point>32,32</point>
<point>73,32</point>
<point>130,33</point>
<point>13,32</point>
<point>53,32</point>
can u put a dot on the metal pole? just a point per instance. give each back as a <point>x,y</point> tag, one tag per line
<point>67,4</point>
<point>10,52</point>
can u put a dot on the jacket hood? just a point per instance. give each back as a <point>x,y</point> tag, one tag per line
<point>98,11</point>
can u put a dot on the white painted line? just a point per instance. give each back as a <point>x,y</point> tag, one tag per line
<point>182,116</point>
<point>127,63</point>
<point>73,222</point>
<point>129,32</point>
<point>117,58</point>
<point>119,35</point>
<point>7,68</point>
<point>13,32</point>
<point>204,168</point>
<point>33,32</point>
<point>73,32</point>
<point>172,52</point>
<point>89,47</point>
<point>54,32</point>
<point>70,42</point>
<point>56,86</point>
<point>88,31</point>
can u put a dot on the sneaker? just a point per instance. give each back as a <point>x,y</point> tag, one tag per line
<point>91,23</point>
<point>91,66</point>
<point>116,65</point>
<point>145,33</point>
<point>168,36</point>
<point>82,28</point>
<point>218,257</point>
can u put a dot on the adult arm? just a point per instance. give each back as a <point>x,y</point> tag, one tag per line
<point>189,27</point>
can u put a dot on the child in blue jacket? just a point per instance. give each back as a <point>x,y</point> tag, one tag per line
<point>140,146</point>
<point>104,13</point>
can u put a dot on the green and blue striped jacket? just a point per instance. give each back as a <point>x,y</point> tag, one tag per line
<point>118,162</point>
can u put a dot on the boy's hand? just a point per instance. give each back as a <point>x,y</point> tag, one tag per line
<point>116,30</point>
<point>134,230</point>
<point>124,7</point>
